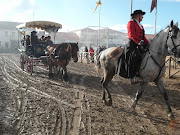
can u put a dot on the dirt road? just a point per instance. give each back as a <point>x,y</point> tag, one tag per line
<point>41,106</point>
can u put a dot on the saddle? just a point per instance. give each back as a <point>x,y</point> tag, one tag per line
<point>129,63</point>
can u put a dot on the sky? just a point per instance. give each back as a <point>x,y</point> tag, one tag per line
<point>78,14</point>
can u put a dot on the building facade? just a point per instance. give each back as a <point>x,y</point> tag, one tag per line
<point>8,34</point>
<point>94,38</point>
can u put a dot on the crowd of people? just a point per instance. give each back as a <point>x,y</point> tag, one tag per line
<point>89,54</point>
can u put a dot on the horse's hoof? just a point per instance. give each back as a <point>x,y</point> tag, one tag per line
<point>104,101</point>
<point>171,116</point>
<point>50,75</point>
<point>133,107</point>
<point>132,111</point>
<point>109,102</point>
<point>65,79</point>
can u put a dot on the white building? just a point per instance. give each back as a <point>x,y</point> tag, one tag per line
<point>64,37</point>
<point>91,37</point>
<point>8,34</point>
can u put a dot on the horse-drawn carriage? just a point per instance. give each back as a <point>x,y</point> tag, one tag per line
<point>35,52</point>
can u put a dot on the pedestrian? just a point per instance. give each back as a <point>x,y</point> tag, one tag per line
<point>86,54</point>
<point>91,53</point>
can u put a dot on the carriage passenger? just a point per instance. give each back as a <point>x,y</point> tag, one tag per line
<point>23,40</point>
<point>42,39</point>
<point>27,40</point>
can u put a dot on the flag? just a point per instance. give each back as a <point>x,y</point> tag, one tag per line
<point>98,3</point>
<point>153,5</point>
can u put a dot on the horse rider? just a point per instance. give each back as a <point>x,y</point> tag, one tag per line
<point>136,35</point>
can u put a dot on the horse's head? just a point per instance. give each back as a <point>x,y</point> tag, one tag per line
<point>74,51</point>
<point>173,39</point>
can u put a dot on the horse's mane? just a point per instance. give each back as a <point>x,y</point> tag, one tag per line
<point>159,33</point>
<point>176,29</point>
<point>62,46</point>
<point>75,45</point>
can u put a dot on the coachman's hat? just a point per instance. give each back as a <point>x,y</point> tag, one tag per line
<point>138,12</point>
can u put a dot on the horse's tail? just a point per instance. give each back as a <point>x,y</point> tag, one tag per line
<point>98,63</point>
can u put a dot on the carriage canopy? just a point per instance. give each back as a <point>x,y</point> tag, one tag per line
<point>43,25</point>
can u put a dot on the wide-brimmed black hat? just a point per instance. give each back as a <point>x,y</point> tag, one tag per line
<point>138,12</point>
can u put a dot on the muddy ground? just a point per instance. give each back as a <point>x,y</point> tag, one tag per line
<point>37,105</point>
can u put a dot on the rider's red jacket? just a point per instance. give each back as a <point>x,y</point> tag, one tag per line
<point>135,32</point>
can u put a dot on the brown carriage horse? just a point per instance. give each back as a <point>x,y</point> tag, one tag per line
<point>62,55</point>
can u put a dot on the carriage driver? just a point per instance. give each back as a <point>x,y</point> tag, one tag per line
<point>34,38</point>
<point>136,34</point>
<point>48,41</point>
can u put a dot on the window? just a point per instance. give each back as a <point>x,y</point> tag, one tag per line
<point>6,44</point>
<point>6,33</point>
<point>13,34</point>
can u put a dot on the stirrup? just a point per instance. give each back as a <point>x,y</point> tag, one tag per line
<point>135,80</point>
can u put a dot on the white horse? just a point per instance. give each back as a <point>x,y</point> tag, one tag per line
<point>152,67</point>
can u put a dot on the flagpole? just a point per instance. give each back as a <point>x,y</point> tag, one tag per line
<point>131,9</point>
<point>155,19</point>
<point>99,26</point>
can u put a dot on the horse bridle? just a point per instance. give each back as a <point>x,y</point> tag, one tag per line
<point>170,35</point>
<point>72,53</point>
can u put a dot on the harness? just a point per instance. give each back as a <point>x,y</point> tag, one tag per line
<point>174,50</point>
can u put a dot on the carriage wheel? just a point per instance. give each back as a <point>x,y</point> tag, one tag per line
<point>29,66</point>
<point>22,62</point>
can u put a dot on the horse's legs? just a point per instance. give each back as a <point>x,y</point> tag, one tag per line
<point>108,75</point>
<point>64,75</point>
<point>138,95</point>
<point>50,68</point>
<point>160,85</point>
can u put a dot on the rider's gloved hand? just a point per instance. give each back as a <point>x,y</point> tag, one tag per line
<point>141,43</point>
